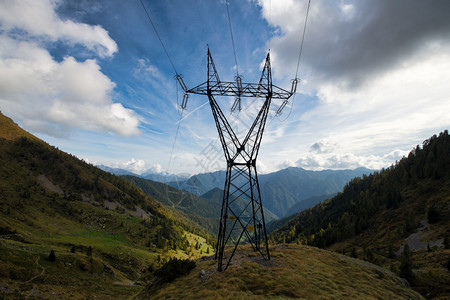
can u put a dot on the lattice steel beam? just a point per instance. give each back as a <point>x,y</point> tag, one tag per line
<point>241,182</point>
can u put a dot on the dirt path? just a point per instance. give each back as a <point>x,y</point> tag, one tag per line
<point>418,241</point>
<point>38,266</point>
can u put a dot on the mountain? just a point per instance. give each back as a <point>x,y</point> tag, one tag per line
<point>296,208</point>
<point>203,211</point>
<point>376,216</point>
<point>202,183</point>
<point>71,230</point>
<point>216,195</point>
<point>159,177</point>
<point>166,178</point>
<point>115,171</point>
<point>282,189</point>
<point>308,203</point>
<point>294,272</point>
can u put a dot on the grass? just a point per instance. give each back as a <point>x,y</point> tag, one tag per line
<point>72,275</point>
<point>117,268</point>
<point>294,272</point>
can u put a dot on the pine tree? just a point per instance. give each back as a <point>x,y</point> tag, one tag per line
<point>406,264</point>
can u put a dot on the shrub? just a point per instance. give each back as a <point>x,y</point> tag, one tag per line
<point>52,256</point>
<point>174,268</point>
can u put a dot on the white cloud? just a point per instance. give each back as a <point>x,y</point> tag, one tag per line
<point>39,19</point>
<point>50,96</point>
<point>133,165</point>
<point>371,82</point>
<point>404,102</point>
<point>156,168</point>
<point>315,161</point>
<point>323,146</point>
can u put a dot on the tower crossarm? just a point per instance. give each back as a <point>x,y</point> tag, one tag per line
<point>227,88</point>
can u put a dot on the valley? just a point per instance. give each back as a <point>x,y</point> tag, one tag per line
<point>70,230</point>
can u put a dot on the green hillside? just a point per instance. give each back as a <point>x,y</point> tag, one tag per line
<point>201,210</point>
<point>107,236</point>
<point>294,272</point>
<point>375,216</point>
<point>204,210</point>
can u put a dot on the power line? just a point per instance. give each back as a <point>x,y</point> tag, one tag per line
<point>174,142</point>
<point>178,77</point>
<point>159,38</point>
<point>303,39</point>
<point>295,81</point>
<point>232,38</point>
<point>270,22</point>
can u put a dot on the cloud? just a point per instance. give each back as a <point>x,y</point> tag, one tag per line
<point>315,161</point>
<point>374,78</point>
<point>50,96</point>
<point>39,20</point>
<point>156,168</point>
<point>133,165</point>
<point>148,73</point>
<point>351,42</point>
<point>322,146</point>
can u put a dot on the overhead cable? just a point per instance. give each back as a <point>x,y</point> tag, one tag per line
<point>232,38</point>
<point>159,38</point>
<point>303,39</point>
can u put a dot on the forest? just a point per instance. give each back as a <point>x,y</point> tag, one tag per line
<point>358,207</point>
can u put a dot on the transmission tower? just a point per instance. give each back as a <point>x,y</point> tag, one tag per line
<point>242,214</point>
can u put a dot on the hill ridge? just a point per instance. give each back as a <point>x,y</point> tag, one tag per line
<point>294,271</point>
<point>9,130</point>
<point>104,232</point>
<point>374,215</point>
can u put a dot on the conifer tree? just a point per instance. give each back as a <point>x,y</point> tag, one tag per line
<point>406,264</point>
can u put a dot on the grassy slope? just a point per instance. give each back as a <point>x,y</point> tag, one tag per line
<point>431,277</point>
<point>36,218</point>
<point>202,211</point>
<point>374,215</point>
<point>294,272</point>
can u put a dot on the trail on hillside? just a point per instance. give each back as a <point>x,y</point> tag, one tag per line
<point>37,268</point>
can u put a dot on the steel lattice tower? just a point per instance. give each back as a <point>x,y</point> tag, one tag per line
<point>243,218</point>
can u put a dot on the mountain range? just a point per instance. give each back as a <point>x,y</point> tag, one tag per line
<point>71,230</point>
<point>283,192</point>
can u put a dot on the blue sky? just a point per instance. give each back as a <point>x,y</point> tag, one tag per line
<point>91,78</point>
